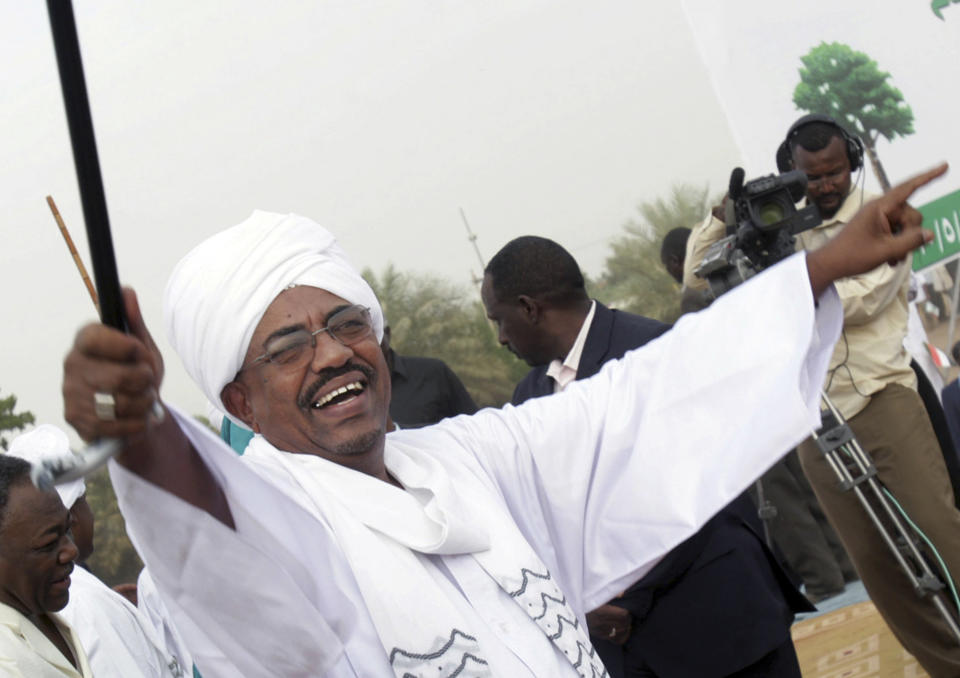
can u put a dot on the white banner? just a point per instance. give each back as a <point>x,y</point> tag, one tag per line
<point>753,51</point>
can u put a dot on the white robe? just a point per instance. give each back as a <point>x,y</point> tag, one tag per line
<point>155,615</point>
<point>112,632</point>
<point>602,481</point>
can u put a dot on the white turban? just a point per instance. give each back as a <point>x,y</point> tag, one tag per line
<point>219,292</point>
<point>43,443</point>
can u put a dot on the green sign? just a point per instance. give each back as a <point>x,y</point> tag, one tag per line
<point>942,216</point>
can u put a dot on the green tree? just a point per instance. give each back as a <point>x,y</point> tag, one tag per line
<point>840,82</point>
<point>634,279</point>
<point>432,317</point>
<point>114,559</point>
<point>10,420</point>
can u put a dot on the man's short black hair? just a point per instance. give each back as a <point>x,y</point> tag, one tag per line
<point>815,136</point>
<point>14,471</point>
<point>955,352</point>
<point>536,267</point>
<point>674,244</point>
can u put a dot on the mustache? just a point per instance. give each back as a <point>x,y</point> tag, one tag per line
<point>327,374</point>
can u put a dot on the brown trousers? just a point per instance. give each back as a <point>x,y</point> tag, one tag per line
<point>895,431</point>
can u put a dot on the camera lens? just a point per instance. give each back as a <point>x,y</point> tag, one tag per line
<point>770,212</point>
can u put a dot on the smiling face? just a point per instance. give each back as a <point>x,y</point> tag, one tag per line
<point>334,406</point>
<point>36,551</point>
<point>828,175</point>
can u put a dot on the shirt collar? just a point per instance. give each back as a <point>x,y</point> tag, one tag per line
<point>10,617</point>
<point>572,361</point>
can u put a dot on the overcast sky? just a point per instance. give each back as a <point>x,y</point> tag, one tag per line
<point>377,119</point>
<point>380,120</point>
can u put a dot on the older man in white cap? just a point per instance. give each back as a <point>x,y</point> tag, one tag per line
<point>117,641</point>
<point>37,556</point>
<point>459,549</point>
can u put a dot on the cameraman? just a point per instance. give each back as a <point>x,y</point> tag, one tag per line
<point>872,384</point>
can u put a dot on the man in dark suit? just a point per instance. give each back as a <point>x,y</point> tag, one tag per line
<point>423,390</point>
<point>718,604</point>
<point>951,404</point>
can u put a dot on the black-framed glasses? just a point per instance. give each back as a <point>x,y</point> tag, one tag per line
<point>290,351</point>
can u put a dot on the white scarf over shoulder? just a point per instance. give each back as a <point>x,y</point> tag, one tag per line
<point>444,509</point>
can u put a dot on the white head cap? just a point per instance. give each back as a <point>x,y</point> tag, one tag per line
<point>48,442</point>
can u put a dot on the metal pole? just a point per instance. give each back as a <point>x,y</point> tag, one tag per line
<point>471,236</point>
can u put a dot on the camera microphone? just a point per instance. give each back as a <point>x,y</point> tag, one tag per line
<point>736,183</point>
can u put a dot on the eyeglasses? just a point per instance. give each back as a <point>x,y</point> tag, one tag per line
<point>290,351</point>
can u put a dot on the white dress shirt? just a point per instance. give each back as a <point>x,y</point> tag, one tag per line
<point>566,372</point>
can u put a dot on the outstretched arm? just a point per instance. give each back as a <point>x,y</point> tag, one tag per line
<point>130,368</point>
<point>884,230</point>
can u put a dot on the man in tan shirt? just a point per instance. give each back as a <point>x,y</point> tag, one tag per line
<point>872,384</point>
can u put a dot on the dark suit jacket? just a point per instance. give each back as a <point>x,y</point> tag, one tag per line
<point>951,412</point>
<point>424,391</point>
<point>716,603</point>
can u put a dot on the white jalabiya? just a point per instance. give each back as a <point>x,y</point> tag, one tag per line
<point>154,613</point>
<point>443,511</point>
<point>118,642</point>
<point>601,480</point>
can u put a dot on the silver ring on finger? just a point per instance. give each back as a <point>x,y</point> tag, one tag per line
<point>105,406</point>
<point>613,631</point>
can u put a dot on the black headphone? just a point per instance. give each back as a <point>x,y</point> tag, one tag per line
<point>852,142</point>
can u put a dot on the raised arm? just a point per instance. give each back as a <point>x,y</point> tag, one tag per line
<point>884,230</point>
<point>625,465</point>
<point>130,368</point>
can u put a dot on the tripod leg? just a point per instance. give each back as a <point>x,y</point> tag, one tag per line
<point>766,512</point>
<point>917,622</point>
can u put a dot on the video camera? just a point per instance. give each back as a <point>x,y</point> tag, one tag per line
<point>762,222</point>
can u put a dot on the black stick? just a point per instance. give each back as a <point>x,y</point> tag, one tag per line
<point>86,161</point>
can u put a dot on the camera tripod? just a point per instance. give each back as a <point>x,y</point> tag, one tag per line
<point>856,472</point>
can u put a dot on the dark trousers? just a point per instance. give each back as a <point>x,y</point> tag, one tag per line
<point>780,663</point>
<point>801,530</point>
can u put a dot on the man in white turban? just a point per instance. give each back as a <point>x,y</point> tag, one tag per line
<point>459,549</point>
<point>118,642</point>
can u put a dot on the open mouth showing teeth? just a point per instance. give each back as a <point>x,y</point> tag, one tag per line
<point>340,395</point>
